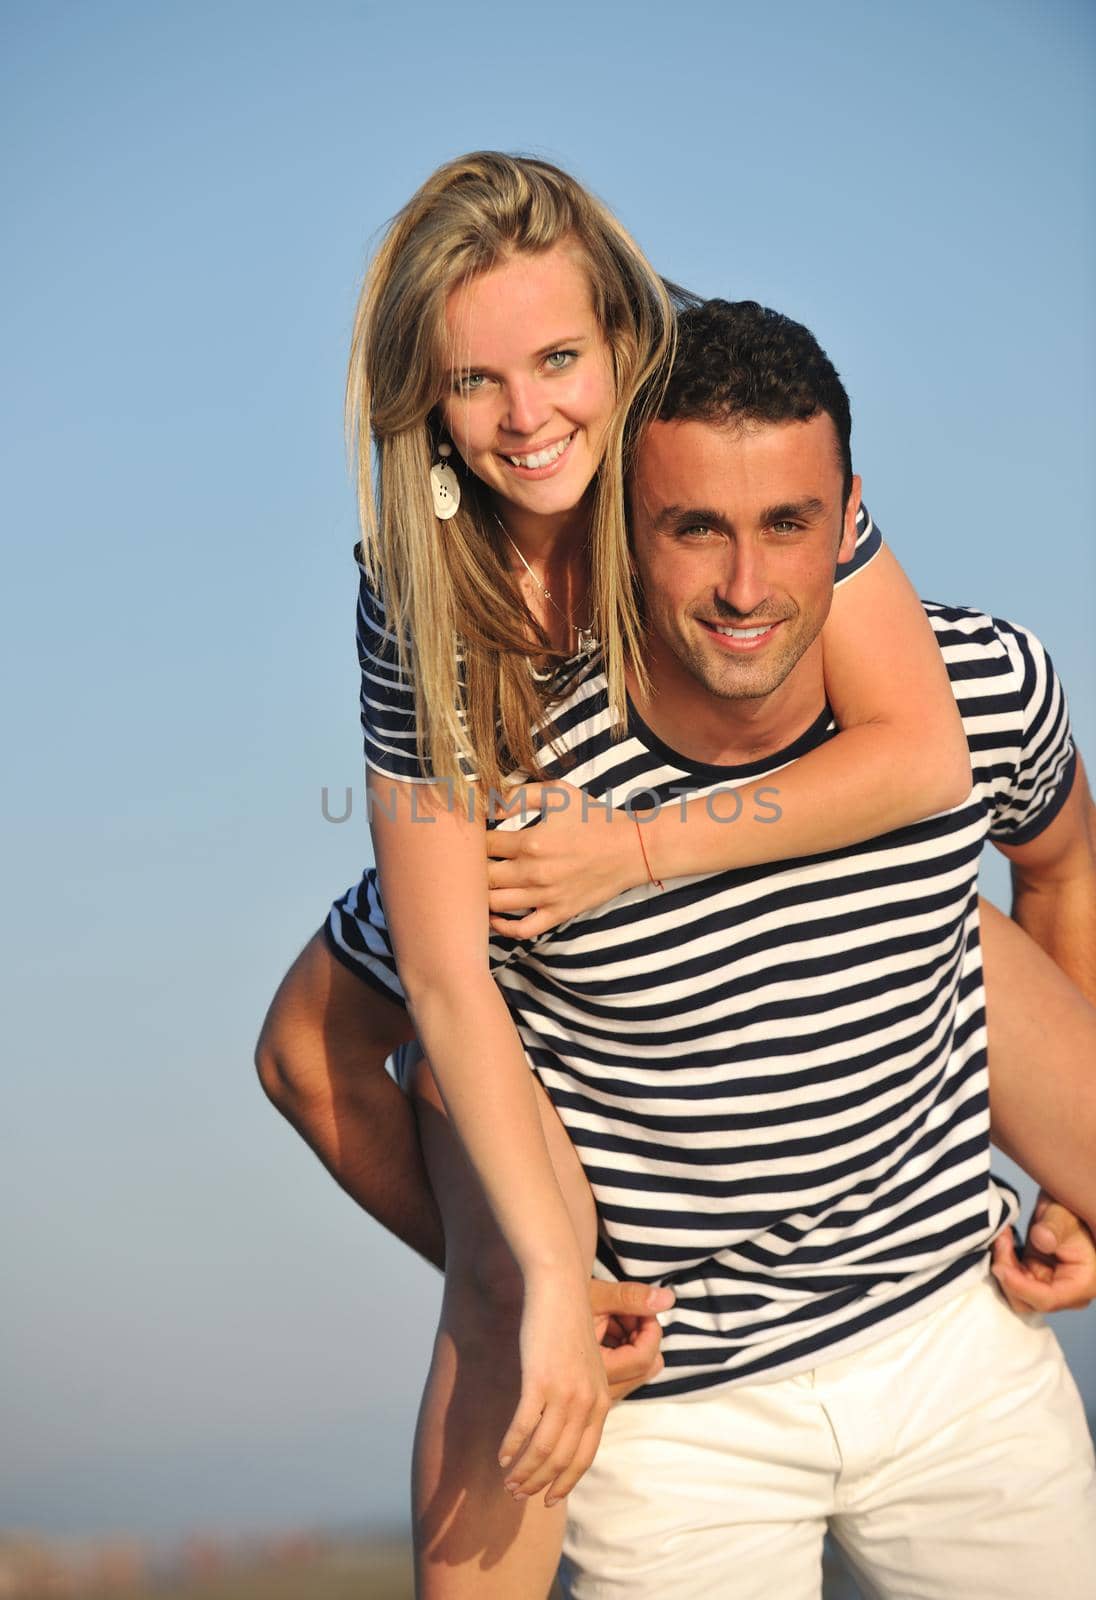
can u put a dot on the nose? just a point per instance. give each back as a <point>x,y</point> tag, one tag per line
<point>527,408</point>
<point>743,584</point>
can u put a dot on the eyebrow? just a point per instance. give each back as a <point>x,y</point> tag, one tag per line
<point>566,338</point>
<point>788,510</point>
<point>783,511</point>
<point>689,514</point>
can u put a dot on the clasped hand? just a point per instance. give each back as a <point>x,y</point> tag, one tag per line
<point>556,1430</point>
<point>578,856</point>
<point>1057,1269</point>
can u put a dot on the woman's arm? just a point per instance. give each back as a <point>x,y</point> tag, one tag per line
<point>430,858</point>
<point>901,755</point>
<point>431,861</point>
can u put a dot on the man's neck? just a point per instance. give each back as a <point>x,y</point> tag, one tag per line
<point>723,732</point>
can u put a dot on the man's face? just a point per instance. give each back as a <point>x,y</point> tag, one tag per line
<point>736,529</point>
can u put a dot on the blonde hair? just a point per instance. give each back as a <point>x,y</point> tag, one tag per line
<point>455,592</point>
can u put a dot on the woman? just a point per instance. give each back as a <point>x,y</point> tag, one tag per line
<point>508,315</point>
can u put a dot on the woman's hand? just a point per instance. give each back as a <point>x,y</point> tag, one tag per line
<point>556,1428</point>
<point>579,855</point>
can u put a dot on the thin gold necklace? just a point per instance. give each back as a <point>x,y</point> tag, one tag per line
<point>585,636</point>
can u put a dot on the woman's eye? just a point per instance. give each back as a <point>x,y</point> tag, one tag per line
<point>560,359</point>
<point>469,382</point>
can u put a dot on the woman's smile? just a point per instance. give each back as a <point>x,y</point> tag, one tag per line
<point>543,461</point>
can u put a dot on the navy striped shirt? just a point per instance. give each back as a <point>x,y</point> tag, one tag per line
<point>776,1077</point>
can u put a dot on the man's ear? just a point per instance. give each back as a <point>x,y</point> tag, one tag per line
<point>629,513</point>
<point>848,531</point>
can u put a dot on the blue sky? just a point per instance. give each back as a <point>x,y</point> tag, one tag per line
<point>198,1328</point>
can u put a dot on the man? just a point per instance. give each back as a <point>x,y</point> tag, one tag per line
<point>816,1205</point>
<point>775,1078</point>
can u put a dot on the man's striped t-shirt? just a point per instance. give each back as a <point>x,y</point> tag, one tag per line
<point>776,1077</point>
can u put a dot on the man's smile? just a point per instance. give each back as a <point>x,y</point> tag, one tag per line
<point>740,638</point>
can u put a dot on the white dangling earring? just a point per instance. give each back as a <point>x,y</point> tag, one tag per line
<point>444,485</point>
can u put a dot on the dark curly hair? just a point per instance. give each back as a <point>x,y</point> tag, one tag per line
<point>737,359</point>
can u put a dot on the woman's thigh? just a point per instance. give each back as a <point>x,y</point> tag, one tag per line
<point>1042,1044</point>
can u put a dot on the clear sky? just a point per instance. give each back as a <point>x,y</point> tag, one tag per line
<point>197,1328</point>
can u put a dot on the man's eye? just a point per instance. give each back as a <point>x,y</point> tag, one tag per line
<point>698,532</point>
<point>559,359</point>
<point>784,527</point>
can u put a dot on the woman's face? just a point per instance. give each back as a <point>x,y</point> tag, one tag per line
<point>533,389</point>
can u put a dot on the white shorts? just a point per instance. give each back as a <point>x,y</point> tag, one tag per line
<point>951,1460</point>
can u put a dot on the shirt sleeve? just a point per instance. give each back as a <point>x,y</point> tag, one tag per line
<point>1036,787</point>
<point>869,542</point>
<point>387,693</point>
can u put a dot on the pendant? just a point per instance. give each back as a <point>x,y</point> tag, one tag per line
<point>587,644</point>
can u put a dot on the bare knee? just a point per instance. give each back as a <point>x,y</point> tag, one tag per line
<point>490,1282</point>
<point>481,1309</point>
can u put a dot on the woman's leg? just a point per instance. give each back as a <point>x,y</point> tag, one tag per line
<point>321,1059</point>
<point>1042,1061</point>
<point>471,1538</point>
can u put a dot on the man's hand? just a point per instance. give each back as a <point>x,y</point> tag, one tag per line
<point>1058,1269</point>
<point>626,1326</point>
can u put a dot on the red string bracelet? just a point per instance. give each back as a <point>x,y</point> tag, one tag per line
<point>658,883</point>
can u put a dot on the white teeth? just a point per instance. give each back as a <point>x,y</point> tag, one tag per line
<point>543,458</point>
<point>742,633</point>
